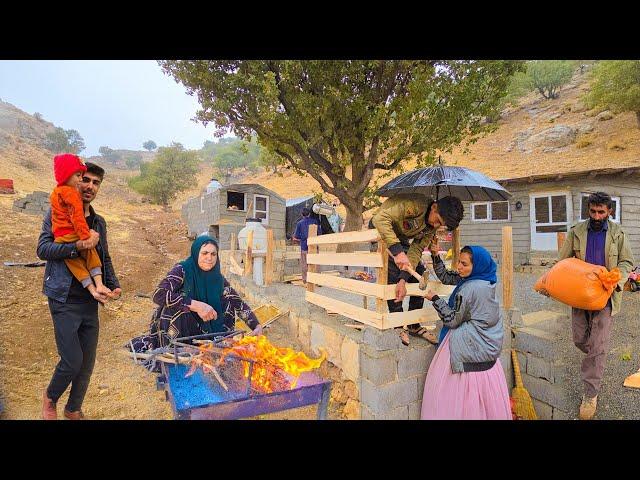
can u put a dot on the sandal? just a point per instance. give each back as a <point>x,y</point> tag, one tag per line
<point>425,334</point>
<point>404,337</point>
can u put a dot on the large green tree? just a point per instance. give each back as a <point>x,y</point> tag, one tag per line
<point>616,85</point>
<point>340,120</point>
<point>61,140</point>
<point>172,170</point>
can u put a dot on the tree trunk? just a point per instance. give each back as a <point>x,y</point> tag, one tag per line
<point>638,117</point>
<point>353,221</point>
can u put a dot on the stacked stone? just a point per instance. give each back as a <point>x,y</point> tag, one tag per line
<point>543,374</point>
<point>36,203</point>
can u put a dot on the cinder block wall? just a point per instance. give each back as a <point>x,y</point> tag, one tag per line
<point>388,377</point>
<point>543,373</point>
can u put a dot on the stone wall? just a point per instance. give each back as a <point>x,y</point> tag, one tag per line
<point>374,376</point>
<point>535,340</point>
<point>36,203</point>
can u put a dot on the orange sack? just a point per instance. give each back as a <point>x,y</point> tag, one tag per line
<point>579,284</point>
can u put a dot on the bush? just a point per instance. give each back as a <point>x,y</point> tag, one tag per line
<point>583,142</point>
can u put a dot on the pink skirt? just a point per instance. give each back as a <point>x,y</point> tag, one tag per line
<point>464,396</point>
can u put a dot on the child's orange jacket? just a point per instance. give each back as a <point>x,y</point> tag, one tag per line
<point>67,212</point>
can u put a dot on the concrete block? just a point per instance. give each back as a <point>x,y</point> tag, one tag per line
<point>421,380</point>
<point>381,339</point>
<point>350,359</point>
<point>532,340</point>
<point>415,409</point>
<point>540,367</point>
<point>317,338</point>
<point>304,333</point>
<point>399,413</point>
<point>514,318</point>
<point>293,325</point>
<point>333,345</point>
<point>522,361</point>
<point>549,393</point>
<point>380,369</point>
<point>505,360</point>
<point>383,400</point>
<point>543,410</point>
<point>415,360</point>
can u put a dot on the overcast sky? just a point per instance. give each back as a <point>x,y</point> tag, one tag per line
<point>120,104</point>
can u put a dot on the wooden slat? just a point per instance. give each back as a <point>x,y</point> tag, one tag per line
<point>351,259</point>
<point>268,264</point>
<point>248,262</point>
<point>414,291</point>
<point>398,319</point>
<point>292,255</point>
<point>233,266</point>
<point>313,249</point>
<point>370,235</point>
<point>347,284</point>
<point>350,311</point>
<point>456,246</point>
<point>382,275</point>
<point>507,268</point>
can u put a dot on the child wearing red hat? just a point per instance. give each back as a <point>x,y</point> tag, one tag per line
<point>69,225</point>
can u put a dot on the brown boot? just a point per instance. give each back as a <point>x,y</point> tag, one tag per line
<point>77,415</point>
<point>588,407</point>
<point>49,411</point>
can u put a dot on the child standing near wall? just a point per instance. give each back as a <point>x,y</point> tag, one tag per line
<point>69,224</point>
<point>465,380</point>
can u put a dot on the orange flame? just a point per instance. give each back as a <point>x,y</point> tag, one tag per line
<point>270,362</point>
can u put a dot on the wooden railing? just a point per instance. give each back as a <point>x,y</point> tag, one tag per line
<point>380,317</point>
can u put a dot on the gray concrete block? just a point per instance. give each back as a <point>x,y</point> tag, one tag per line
<point>415,410</point>
<point>415,360</point>
<point>531,340</point>
<point>548,392</point>
<point>381,339</point>
<point>540,367</point>
<point>514,317</point>
<point>379,368</point>
<point>505,360</point>
<point>382,400</point>
<point>543,410</point>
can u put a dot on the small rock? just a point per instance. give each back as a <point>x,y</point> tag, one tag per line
<point>352,409</point>
<point>606,115</point>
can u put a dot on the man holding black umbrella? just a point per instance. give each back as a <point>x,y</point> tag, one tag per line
<point>415,217</point>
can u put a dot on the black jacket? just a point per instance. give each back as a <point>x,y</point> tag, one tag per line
<point>57,277</point>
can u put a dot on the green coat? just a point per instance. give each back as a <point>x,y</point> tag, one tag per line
<point>617,254</point>
<point>404,217</point>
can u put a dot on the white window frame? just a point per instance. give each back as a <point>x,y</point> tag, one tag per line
<point>244,207</point>
<point>489,212</point>
<point>617,209</point>
<point>265,221</point>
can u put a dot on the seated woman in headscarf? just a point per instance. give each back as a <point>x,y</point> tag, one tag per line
<point>195,299</point>
<point>465,380</point>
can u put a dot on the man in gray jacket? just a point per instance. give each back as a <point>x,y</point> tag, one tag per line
<point>599,241</point>
<point>73,309</point>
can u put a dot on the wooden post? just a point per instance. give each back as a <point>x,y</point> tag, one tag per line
<point>561,238</point>
<point>313,232</point>
<point>248,258</point>
<point>268,263</point>
<point>456,248</point>
<point>382,275</point>
<point>365,303</point>
<point>507,268</point>
<point>233,241</point>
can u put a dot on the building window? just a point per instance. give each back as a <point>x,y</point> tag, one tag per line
<point>236,201</point>
<point>490,212</point>
<point>261,208</point>
<point>584,207</point>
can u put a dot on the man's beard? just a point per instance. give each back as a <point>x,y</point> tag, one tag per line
<point>596,225</point>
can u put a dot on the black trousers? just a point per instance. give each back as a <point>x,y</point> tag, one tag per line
<point>415,303</point>
<point>76,330</point>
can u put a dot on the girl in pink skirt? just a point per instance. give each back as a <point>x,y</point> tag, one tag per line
<point>465,379</point>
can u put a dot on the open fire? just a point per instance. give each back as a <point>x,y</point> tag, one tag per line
<point>274,368</point>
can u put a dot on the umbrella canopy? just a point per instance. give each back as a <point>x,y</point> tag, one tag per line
<point>441,180</point>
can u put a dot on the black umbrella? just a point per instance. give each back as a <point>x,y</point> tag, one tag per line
<point>441,180</point>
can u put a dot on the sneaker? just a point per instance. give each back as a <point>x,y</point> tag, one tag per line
<point>49,411</point>
<point>588,407</point>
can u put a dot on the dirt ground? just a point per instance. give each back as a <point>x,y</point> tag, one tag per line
<point>145,242</point>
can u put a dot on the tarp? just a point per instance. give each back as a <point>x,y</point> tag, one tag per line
<point>294,213</point>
